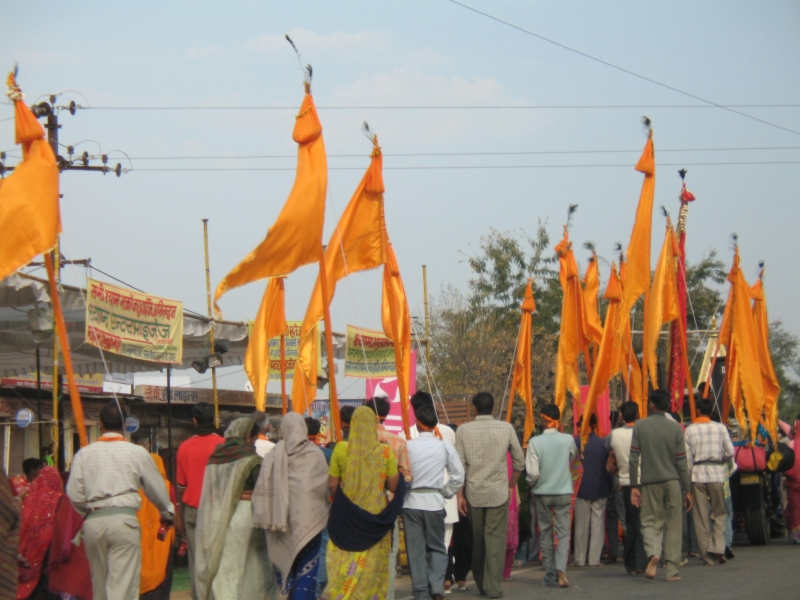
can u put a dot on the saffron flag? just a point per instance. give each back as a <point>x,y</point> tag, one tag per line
<point>746,354</point>
<point>357,244</point>
<point>591,287</point>
<point>638,253</point>
<point>664,306</point>
<point>607,362</point>
<point>270,323</point>
<point>30,220</point>
<point>769,379</point>
<point>296,237</point>
<point>521,376</point>
<point>396,320</point>
<point>571,338</point>
<point>628,363</point>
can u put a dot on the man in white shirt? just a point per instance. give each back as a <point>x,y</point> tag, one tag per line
<point>423,509</point>
<point>104,485</point>
<point>263,445</point>
<point>619,441</point>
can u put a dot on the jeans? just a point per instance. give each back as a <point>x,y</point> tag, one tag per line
<point>729,522</point>
<point>322,573</point>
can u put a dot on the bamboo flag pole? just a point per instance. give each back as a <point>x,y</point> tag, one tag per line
<point>334,398</point>
<point>284,401</point>
<point>61,329</point>
<point>56,389</point>
<point>211,329</point>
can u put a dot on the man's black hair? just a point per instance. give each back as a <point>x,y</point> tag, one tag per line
<point>483,403</point>
<point>426,415</point>
<point>313,426</point>
<point>420,398</point>
<point>29,465</point>
<point>660,399</point>
<point>552,411</point>
<point>705,407</point>
<point>204,413</point>
<point>111,418</point>
<point>630,411</point>
<point>346,413</point>
<point>379,405</point>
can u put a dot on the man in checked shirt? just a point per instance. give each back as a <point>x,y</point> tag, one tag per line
<point>104,485</point>
<point>708,449</point>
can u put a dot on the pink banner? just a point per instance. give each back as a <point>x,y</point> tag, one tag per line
<point>603,411</point>
<point>387,386</point>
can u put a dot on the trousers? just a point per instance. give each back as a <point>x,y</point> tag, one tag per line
<point>553,511</point>
<point>427,554</point>
<point>709,504</point>
<point>590,526</point>
<point>190,524</point>
<point>633,553</point>
<point>489,528</point>
<point>662,505</point>
<point>113,548</point>
<point>392,559</point>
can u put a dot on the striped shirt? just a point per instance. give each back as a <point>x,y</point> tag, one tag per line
<point>708,449</point>
<point>482,446</point>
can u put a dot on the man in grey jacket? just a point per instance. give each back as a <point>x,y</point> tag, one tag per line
<point>659,444</point>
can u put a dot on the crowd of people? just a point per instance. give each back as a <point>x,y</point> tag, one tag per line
<point>300,520</point>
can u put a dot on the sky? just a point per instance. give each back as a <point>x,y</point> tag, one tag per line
<point>145,227</point>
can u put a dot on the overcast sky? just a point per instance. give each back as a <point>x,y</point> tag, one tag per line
<point>145,227</point>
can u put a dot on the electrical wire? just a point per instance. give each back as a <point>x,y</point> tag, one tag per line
<point>622,69</point>
<point>462,107</point>
<point>471,167</point>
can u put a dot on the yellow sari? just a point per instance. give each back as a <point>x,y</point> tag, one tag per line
<point>362,464</point>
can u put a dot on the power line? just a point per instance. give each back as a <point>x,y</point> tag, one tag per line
<point>457,107</point>
<point>621,69</point>
<point>448,167</point>
<point>503,153</point>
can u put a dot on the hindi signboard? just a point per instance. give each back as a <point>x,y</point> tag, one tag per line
<point>132,324</point>
<point>369,354</point>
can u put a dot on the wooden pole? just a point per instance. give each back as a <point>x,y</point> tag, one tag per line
<point>211,329</point>
<point>427,327</point>
<point>284,401</point>
<point>56,391</point>
<point>334,399</point>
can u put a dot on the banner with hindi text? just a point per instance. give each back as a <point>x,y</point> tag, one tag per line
<point>369,354</point>
<point>133,324</point>
<point>292,351</point>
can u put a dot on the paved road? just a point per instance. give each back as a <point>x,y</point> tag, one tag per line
<point>757,572</point>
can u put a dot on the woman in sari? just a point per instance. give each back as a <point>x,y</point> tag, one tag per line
<point>155,582</point>
<point>36,532</point>
<point>291,502</point>
<point>792,484</point>
<point>361,519</point>
<point>231,560</point>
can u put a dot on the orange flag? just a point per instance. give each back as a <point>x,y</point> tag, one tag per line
<point>591,287</point>
<point>607,362</point>
<point>358,244</point>
<point>769,379</point>
<point>270,323</point>
<point>628,363</point>
<point>638,278</point>
<point>521,378</point>
<point>30,220</point>
<point>571,339</point>
<point>396,320</point>
<point>745,344</point>
<point>663,300</point>
<point>296,237</point>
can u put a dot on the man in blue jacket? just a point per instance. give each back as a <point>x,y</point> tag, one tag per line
<point>548,467</point>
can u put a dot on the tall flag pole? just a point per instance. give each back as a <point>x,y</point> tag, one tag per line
<point>30,221</point>
<point>294,240</point>
<point>521,377</point>
<point>769,379</point>
<point>677,376</point>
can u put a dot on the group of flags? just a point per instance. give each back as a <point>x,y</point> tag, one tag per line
<point>359,242</point>
<point>607,347</point>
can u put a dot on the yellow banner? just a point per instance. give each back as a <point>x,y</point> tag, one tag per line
<point>87,384</point>
<point>125,322</point>
<point>369,354</point>
<point>292,340</point>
